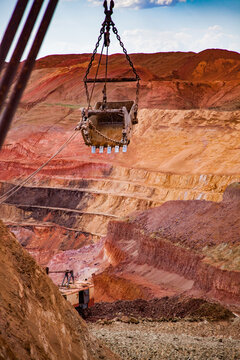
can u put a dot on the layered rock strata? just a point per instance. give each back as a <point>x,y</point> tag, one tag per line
<point>63,214</point>
<point>185,147</point>
<point>36,322</point>
<point>198,241</point>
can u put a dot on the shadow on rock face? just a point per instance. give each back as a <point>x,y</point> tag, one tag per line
<point>232,193</point>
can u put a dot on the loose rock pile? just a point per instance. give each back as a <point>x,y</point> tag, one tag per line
<point>182,340</point>
<point>164,309</point>
<point>176,327</point>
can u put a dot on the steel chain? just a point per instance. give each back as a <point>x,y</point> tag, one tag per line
<point>115,31</point>
<point>94,51</point>
<point>125,52</point>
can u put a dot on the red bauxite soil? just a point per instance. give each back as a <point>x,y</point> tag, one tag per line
<point>36,322</point>
<point>187,245</point>
<point>195,223</point>
<point>173,80</point>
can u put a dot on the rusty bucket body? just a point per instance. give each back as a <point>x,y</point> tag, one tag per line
<point>110,126</point>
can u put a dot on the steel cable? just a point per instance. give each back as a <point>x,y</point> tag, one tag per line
<point>11,30</point>
<point>12,191</point>
<point>10,107</point>
<point>90,98</point>
<point>12,67</point>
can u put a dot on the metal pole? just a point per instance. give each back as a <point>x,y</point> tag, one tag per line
<point>10,109</point>
<point>12,67</point>
<point>11,30</point>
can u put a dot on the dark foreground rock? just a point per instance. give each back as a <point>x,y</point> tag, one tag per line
<point>36,322</point>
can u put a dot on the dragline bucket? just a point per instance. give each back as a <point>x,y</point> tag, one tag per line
<point>110,123</point>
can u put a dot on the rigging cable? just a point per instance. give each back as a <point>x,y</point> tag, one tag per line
<point>90,98</point>
<point>105,85</point>
<point>10,107</point>
<point>12,191</point>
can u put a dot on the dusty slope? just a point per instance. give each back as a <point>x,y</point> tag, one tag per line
<point>207,80</point>
<point>173,80</point>
<point>188,152</point>
<point>173,155</point>
<point>36,322</point>
<point>186,244</point>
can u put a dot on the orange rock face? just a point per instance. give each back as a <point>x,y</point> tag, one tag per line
<point>43,242</point>
<point>168,80</point>
<point>197,240</point>
<point>185,147</point>
<point>36,321</point>
<point>188,118</point>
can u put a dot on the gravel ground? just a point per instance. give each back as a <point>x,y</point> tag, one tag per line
<point>170,340</point>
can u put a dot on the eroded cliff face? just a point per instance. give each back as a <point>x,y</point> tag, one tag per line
<point>36,322</point>
<point>185,147</point>
<point>165,141</point>
<point>57,214</point>
<point>174,80</point>
<point>195,242</point>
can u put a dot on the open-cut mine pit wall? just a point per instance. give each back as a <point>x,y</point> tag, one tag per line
<point>36,322</point>
<point>63,214</point>
<point>162,254</point>
<point>188,152</point>
<point>196,240</point>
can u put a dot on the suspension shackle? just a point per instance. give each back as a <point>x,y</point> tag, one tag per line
<point>110,10</point>
<point>108,21</point>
